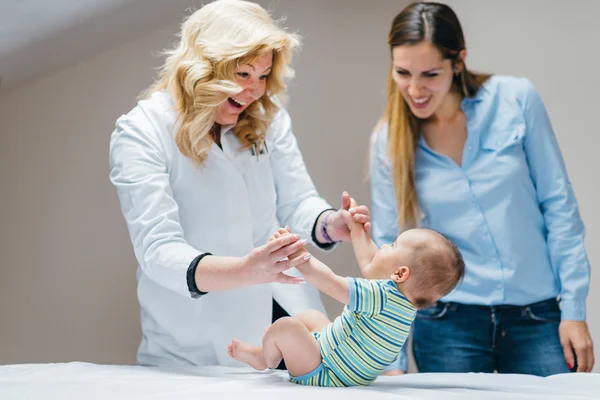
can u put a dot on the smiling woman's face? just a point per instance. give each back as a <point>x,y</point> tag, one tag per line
<point>252,77</point>
<point>423,77</point>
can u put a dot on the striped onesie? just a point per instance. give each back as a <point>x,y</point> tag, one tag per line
<point>365,339</point>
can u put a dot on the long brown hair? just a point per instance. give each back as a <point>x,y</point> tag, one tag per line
<point>438,24</point>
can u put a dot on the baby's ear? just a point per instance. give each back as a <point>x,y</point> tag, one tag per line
<point>401,274</point>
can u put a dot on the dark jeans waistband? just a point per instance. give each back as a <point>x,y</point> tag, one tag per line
<point>550,303</point>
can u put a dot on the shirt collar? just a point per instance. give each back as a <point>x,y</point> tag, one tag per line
<point>478,96</point>
<point>226,128</point>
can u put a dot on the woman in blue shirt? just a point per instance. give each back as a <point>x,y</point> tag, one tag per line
<point>474,157</point>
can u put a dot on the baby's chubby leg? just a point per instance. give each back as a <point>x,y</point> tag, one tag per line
<point>290,339</point>
<point>314,320</point>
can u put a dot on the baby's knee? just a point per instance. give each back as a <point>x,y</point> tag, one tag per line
<point>281,328</point>
<point>284,324</point>
<point>314,320</point>
<point>313,315</point>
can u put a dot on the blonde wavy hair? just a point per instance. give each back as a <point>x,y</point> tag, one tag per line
<point>418,22</point>
<point>200,72</point>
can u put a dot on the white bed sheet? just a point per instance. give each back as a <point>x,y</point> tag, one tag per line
<point>84,381</point>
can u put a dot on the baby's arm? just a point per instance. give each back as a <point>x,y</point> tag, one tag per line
<point>324,279</point>
<point>320,275</point>
<point>364,247</point>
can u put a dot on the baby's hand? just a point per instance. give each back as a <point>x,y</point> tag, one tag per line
<point>286,231</point>
<point>349,218</point>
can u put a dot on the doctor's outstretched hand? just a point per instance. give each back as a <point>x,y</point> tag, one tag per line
<point>337,227</point>
<point>267,263</point>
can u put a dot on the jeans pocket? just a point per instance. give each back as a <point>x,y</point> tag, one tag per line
<point>434,312</point>
<point>544,313</point>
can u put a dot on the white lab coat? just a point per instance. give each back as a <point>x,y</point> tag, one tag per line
<point>176,210</point>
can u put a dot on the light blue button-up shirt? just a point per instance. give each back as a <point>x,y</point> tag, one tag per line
<point>509,208</point>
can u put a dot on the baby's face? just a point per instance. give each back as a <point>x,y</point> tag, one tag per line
<point>389,257</point>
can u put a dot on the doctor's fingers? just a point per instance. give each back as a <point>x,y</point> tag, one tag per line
<point>283,278</point>
<point>279,243</point>
<point>299,260</point>
<point>284,265</point>
<point>288,250</point>
<point>362,215</point>
<point>361,218</point>
<point>355,210</point>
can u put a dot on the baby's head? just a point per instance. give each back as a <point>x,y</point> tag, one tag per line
<point>424,264</point>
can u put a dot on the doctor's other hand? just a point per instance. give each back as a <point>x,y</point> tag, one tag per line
<point>267,263</point>
<point>337,226</point>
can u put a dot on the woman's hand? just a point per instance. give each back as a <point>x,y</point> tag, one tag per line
<point>351,219</point>
<point>337,226</point>
<point>267,263</point>
<point>302,253</point>
<point>576,335</point>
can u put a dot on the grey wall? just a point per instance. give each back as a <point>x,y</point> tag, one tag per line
<point>67,272</point>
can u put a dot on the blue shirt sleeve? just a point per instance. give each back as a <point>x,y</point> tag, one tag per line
<point>384,219</point>
<point>366,296</point>
<point>565,229</point>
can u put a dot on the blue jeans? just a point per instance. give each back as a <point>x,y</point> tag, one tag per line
<point>452,337</point>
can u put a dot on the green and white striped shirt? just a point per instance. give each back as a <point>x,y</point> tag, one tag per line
<point>369,334</point>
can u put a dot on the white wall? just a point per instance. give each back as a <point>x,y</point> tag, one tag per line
<point>67,272</point>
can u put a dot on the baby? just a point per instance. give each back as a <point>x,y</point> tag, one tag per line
<point>419,268</point>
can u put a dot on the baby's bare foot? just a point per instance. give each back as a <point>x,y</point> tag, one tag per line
<point>248,354</point>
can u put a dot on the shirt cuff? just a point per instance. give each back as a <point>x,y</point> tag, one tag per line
<point>322,246</point>
<point>572,310</point>
<point>352,292</point>
<point>195,293</point>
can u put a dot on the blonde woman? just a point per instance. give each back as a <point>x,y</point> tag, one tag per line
<point>206,168</point>
<point>474,157</point>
